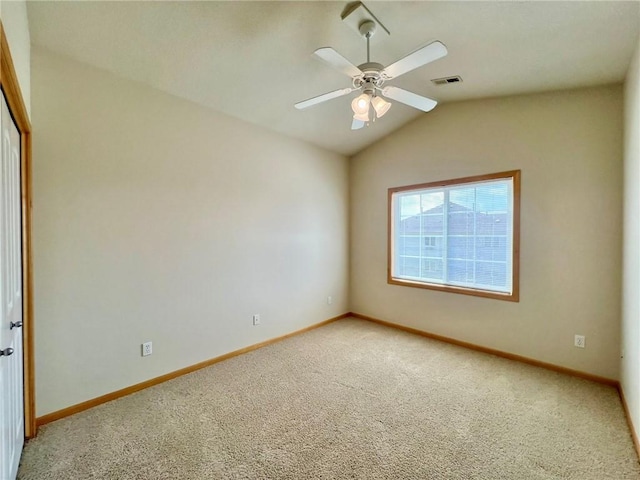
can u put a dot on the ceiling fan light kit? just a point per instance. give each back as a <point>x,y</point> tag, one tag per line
<point>380,105</point>
<point>369,77</point>
<point>360,104</point>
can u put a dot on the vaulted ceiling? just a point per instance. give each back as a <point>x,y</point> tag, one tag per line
<point>253,60</point>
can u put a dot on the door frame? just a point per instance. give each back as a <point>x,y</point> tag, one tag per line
<point>11,88</point>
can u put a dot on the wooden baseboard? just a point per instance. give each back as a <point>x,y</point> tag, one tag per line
<point>634,435</point>
<point>499,353</point>
<point>65,412</point>
<point>57,415</point>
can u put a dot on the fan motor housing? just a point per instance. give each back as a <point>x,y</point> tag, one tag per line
<point>371,67</point>
<point>371,77</point>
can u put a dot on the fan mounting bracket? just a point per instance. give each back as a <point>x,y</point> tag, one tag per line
<point>356,14</point>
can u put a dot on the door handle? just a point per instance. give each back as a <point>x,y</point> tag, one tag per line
<point>13,325</point>
<point>6,352</point>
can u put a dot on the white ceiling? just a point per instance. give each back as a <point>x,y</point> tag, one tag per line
<point>253,60</point>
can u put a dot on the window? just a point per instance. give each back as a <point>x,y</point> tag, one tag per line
<point>430,241</point>
<point>457,235</point>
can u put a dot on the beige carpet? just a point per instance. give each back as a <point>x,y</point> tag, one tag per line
<point>349,400</point>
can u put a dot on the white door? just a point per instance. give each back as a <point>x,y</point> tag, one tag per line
<point>11,361</point>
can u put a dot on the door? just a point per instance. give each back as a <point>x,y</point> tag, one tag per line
<point>11,360</point>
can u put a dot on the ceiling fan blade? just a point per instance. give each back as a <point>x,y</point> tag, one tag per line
<point>337,61</point>
<point>323,98</point>
<point>420,57</point>
<point>357,124</point>
<point>413,100</point>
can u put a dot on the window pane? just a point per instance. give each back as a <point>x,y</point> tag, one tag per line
<point>494,223</point>
<point>491,273</point>
<point>431,202</point>
<point>432,269</point>
<point>409,245</point>
<point>460,223</point>
<point>461,248</point>
<point>409,266</point>
<point>433,224</point>
<point>460,271</point>
<point>491,248</point>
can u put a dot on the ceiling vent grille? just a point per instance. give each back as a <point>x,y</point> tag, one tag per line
<point>447,80</point>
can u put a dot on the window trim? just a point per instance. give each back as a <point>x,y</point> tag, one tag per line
<point>514,296</point>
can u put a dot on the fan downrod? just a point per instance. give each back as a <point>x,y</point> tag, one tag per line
<point>371,71</point>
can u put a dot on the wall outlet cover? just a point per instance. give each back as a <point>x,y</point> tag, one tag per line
<point>147,349</point>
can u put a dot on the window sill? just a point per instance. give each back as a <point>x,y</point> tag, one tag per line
<point>509,297</point>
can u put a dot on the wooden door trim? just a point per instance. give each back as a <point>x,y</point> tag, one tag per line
<point>11,88</point>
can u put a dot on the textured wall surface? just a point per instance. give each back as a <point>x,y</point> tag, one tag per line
<point>630,365</point>
<point>159,220</point>
<point>13,15</point>
<point>568,146</point>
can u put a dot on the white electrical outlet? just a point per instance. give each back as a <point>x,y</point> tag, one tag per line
<point>579,341</point>
<point>329,300</point>
<point>147,349</point>
<point>256,319</point>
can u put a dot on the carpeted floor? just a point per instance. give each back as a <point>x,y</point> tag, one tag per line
<point>349,400</point>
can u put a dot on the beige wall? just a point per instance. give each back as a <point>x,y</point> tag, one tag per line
<point>630,365</point>
<point>569,148</point>
<point>13,15</point>
<point>158,220</point>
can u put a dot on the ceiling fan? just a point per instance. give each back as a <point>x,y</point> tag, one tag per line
<point>370,77</point>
